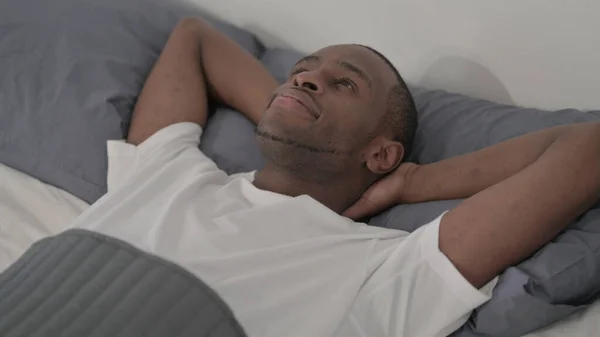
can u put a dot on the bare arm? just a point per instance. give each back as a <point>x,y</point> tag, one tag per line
<point>463,176</point>
<point>531,187</point>
<point>196,60</point>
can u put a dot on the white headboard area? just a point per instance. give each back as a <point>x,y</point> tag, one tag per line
<point>539,53</point>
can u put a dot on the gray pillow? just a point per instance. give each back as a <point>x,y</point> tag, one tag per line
<point>228,140</point>
<point>560,278</point>
<point>70,72</point>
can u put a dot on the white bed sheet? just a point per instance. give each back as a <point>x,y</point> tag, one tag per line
<point>31,210</point>
<point>583,324</point>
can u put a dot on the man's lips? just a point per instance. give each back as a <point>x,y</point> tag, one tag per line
<point>306,102</point>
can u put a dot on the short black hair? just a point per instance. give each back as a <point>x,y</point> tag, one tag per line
<point>401,118</point>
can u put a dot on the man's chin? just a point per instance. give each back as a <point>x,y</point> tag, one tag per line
<point>266,134</point>
<point>284,141</point>
<point>261,133</point>
<point>276,129</point>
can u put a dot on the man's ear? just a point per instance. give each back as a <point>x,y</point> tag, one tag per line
<point>384,155</point>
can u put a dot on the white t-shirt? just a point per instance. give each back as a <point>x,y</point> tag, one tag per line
<point>285,266</point>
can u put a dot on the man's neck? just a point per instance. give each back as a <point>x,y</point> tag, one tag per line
<point>336,194</point>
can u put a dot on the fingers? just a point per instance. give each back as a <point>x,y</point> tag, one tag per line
<point>357,211</point>
<point>377,198</point>
<point>363,208</point>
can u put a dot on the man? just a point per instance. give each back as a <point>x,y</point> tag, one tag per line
<point>278,245</point>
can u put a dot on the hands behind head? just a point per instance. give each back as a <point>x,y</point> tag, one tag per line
<point>386,192</point>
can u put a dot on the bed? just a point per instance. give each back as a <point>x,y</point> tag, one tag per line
<point>52,137</point>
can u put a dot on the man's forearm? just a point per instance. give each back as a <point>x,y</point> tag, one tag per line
<point>466,175</point>
<point>507,222</point>
<point>233,76</point>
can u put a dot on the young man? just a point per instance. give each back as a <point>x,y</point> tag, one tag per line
<point>278,245</point>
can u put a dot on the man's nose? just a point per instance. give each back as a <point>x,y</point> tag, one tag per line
<point>309,80</point>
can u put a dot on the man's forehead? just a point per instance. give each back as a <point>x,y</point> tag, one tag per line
<point>348,50</point>
<point>359,56</point>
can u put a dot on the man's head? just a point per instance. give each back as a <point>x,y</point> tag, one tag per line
<point>343,112</point>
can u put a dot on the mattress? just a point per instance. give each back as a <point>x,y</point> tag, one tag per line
<point>32,210</point>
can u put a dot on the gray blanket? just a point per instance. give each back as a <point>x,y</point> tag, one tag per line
<point>80,283</point>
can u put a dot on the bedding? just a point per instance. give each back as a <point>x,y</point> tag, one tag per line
<point>70,72</point>
<point>88,70</point>
<point>31,210</point>
<point>585,323</point>
<point>81,283</point>
<point>34,211</point>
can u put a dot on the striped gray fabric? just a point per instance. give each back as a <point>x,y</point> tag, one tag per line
<point>81,283</point>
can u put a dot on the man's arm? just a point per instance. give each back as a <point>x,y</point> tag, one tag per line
<point>531,187</point>
<point>198,59</point>
<point>463,176</point>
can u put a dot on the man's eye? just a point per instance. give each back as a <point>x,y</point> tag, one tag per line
<point>298,71</point>
<point>347,83</point>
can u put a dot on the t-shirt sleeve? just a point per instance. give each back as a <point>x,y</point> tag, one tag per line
<point>174,142</point>
<point>416,291</point>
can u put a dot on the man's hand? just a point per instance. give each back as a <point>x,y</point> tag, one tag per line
<point>521,193</point>
<point>385,193</point>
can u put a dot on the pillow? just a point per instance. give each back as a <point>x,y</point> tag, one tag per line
<point>560,278</point>
<point>70,72</point>
<point>228,140</point>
